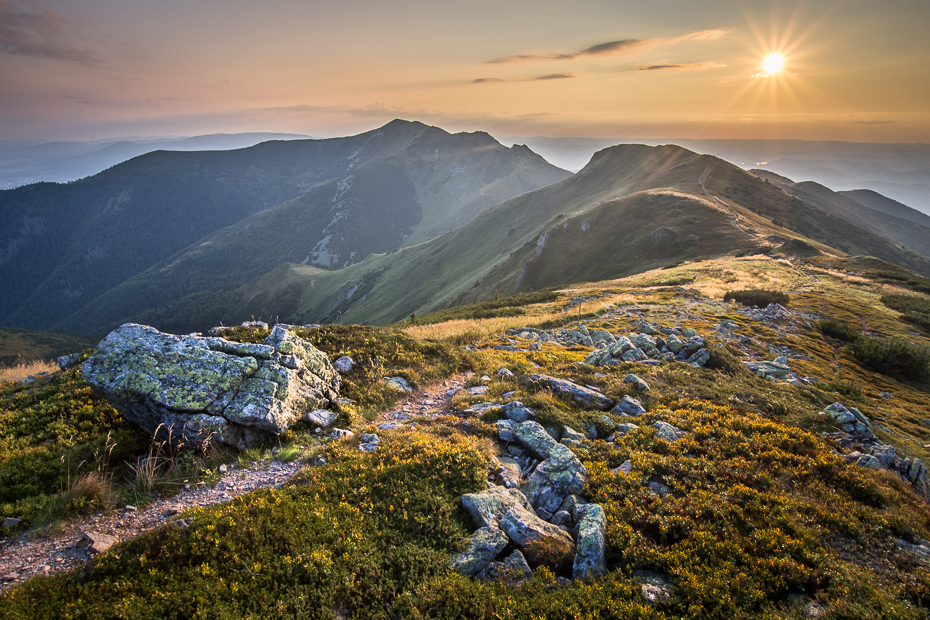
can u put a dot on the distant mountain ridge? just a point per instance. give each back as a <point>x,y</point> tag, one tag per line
<point>631,209</point>
<point>63,246</point>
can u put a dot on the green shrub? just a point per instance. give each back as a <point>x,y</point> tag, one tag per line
<point>757,297</point>
<point>893,357</point>
<point>841,330</point>
<point>916,310</point>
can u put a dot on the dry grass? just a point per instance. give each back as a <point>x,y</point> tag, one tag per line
<point>478,329</point>
<point>24,370</point>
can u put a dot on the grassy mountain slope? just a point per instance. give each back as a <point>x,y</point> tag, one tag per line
<point>18,346</point>
<point>754,512</point>
<point>633,208</point>
<point>65,245</point>
<point>896,222</point>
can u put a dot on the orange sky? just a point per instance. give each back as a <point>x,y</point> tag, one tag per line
<point>855,70</point>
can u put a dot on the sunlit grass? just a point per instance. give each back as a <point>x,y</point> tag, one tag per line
<point>24,370</point>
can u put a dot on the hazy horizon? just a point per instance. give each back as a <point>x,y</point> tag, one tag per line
<point>98,69</point>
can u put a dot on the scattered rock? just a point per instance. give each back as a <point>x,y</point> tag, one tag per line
<point>577,393</point>
<point>341,433</point>
<point>399,383</point>
<point>590,553</point>
<point>370,442</point>
<point>513,568</point>
<point>320,417</point>
<point>523,527</point>
<point>628,406</point>
<point>488,507</point>
<point>480,390</point>
<point>504,373</point>
<point>515,411</point>
<point>666,431</point>
<point>11,522</point>
<point>344,364</point>
<point>638,384</point>
<point>656,588</point>
<point>98,542</point>
<point>483,547</point>
<point>66,362</point>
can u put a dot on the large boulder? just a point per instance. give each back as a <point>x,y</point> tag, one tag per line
<point>483,547</point>
<point>580,394</point>
<point>488,507</point>
<point>590,554</point>
<point>524,528</point>
<point>202,389</point>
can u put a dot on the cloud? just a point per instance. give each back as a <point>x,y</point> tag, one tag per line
<point>548,76</point>
<point>613,48</point>
<point>875,122</point>
<point>683,66</point>
<point>26,30</point>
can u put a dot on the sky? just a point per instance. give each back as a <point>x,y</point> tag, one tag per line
<point>855,70</point>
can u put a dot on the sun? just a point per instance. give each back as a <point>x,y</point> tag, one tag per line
<point>773,63</point>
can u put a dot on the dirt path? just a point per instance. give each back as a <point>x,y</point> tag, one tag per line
<point>31,553</point>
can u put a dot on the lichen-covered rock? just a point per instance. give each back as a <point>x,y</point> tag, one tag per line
<point>517,412</point>
<point>483,547</point>
<point>666,431</point>
<point>698,358</point>
<point>399,383</point>
<point>571,437</point>
<point>557,477</point>
<point>768,369</point>
<point>513,568</point>
<point>637,383</point>
<point>523,527</point>
<point>581,395</point>
<point>344,364</point>
<point>487,508</point>
<point>208,388</point>
<point>628,406</point>
<point>590,553</point>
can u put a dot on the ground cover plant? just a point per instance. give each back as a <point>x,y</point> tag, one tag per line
<point>915,309</point>
<point>757,297</point>
<point>762,515</point>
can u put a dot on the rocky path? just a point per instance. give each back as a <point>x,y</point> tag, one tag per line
<point>30,554</point>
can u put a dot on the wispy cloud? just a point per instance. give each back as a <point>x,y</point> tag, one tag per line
<point>693,66</point>
<point>613,48</point>
<point>27,30</point>
<point>548,76</point>
<point>874,122</point>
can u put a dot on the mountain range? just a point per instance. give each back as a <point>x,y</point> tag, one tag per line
<point>403,219</point>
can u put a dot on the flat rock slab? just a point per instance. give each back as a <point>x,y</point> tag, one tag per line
<point>578,393</point>
<point>98,542</point>
<point>194,389</point>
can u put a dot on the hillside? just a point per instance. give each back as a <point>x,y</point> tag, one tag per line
<point>633,208</point>
<point>19,346</point>
<point>63,246</point>
<point>730,495</point>
<point>866,209</point>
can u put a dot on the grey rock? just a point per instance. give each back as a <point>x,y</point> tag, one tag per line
<point>666,431</point>
<point>698,358</point>
<point>634,355</point>
<point>320,417</point>
<point>505,373</point>
<point>482,408</point>
<point>523,527</point>
<point>688,332</point>
<point>768,369</point>
<point>621,430</point>
<point>658,488</point>
<point>66,362</point>
<point>656,588</point>
<point>562,518</point>
<point>624,468</point>
<point>388,426</point>
<point>515,411</point>
<point>514,568</point>
<point>341,433</point>
<point>516,450</point>
<point>674,344</point>
<point>570,436</point>
<point>399,383</point>
<point>488,507</point>
<point>590,553</point>
<point>98,542</point>
<point>577,393</point>
<point>194,389</point>
<point>508,472</point>
<point>483,547</point>
<point>11,522</point>
<point>637,383</point>
<point>479,390</point>
<point>344,364</point>
<point>628,406</point>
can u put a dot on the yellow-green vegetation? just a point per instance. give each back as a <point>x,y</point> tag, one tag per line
<point>762,513</point>
<point>52,433</point>
<point>21,346</point>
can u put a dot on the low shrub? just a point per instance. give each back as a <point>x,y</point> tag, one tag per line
<point>916,310</point>
<point>893,357</point>
<point>493,308</point>
<point>757,297</point>
<point>841,330</point>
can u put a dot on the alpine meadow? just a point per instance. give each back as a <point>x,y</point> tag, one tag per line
<point>411,310</point>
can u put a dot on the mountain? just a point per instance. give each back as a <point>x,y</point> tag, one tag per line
<point>219,219</point>
<point>631,209</point>
<point>897,222</point>
<point>24,163</point>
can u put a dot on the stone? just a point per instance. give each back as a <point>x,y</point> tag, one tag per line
<point>515,411</point>
<point>634,355</point>
<point>388,426</point>
<point>344,364</point>
<point>562,518</point>
<point>916,472</point>
<point>508,472</point>
<point>193,389</point>
<point>571,437</point>
<point>581,395</point>
<point>625,468</point>
<point>637,383</point>
<point>98,542</point>
<point>66,362</point>
<point>590,553</point>
<point>656,588</point>
<point>768,369</point>
<point>505,373</point>
<point>479,390</point>
<point>674,344</point>
<point>320,417</point>
<point>666,431</point>
<point>223,469</point>
<point>11,522</point>
<point>688,332</point>
<point>628,406</point>
<point>483,547</point>
<point>658,488</point>
<point>341,433</point>
<point>482,408</point>
<point>488,507</point>
<point>698,358</point>
<point>524,528</point>
<point>514,568</point>
<point>399,383</point>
